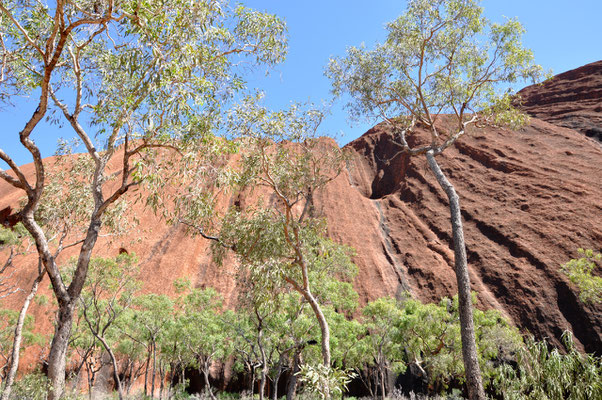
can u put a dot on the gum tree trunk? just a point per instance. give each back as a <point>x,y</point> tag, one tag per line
<point>264,361</point>
<point>292,382</point>
<point>58,350</point>
<point>14,363</point>
<point>323,326</point>
<point>467,332</point>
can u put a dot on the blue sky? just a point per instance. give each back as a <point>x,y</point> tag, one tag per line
<point>563,35</point>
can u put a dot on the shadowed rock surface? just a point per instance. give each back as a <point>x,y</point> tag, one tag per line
<point>572,99</point>
<point>530,199</point>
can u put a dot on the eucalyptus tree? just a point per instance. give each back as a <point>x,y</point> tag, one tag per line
<point>108,293</point>
<point>131,353</point>
<point>440,56</point>
<point>204,331</point>
<point>14,241</point>
<point>146,323</point>
<point>8,240</point>
<point>277,324</point>
<point>279,235</point>
<point>127,77</point>
<point>380,319</point>
<point>8,320</point>
<point>260,306</point>
<point>85,355</point>
<point>282,237</point>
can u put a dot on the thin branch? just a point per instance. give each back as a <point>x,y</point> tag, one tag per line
<point>205,236</point>
<point>23,31</point>
<point>21,182</point>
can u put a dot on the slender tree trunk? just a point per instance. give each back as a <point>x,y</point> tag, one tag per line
<point>91,377</point>
<point>292,381</point>
<point>114,364</point>
<point>161,380</point>
<point>252,380</point>
<point>274,394</point>
<point>275,385</point>
<point>469,347</point>
<point>58,350</point>
<point>78,371</point>
<point>383,391</point>
<point>148,358</point>
<point>152,394</point>
<point>262,380</point>
<point>315,306</point>
<point>14,358</point>
<point>207,384</point>
<point>264,363</point>
<point>131,377</point>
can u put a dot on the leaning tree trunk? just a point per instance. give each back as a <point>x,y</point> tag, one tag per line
<point>467,332</point>
<point>208,390</point>
<point>14,363</point>
<point>114,365</point>
<point>315,306</point>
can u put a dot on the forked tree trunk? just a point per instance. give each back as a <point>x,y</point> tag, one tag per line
<point>114,365</point>
<point>467,332</point>
<point>208,390</point>
<point>274,394</point>
<point>14,358</point>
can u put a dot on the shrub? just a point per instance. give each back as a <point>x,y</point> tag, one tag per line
<point>544,373</point>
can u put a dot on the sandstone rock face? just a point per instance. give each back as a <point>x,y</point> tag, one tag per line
<point>530,198</point>
<point>572,99</point>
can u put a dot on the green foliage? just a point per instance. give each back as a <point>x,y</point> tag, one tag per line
<point>545,373</point>
<point>149,315</point>
<point>305,165</point>
<point>201,329</point>
<point>11,236</point>
<point>111,282</point>
<point>431,336</point>
<point>33,386</point>
<point>440,56</point>
<point>152,58</point>
<point>580,272</point>
<point>8,321</point>
<point>269,255</point>
<point>395,333</point>
<point>380,318</point>
<point>325,381</point>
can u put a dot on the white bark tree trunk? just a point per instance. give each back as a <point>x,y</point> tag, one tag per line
<point>467,332</point>
<point>14,363</point>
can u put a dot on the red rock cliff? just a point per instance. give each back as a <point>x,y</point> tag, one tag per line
<point>530,198</point>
